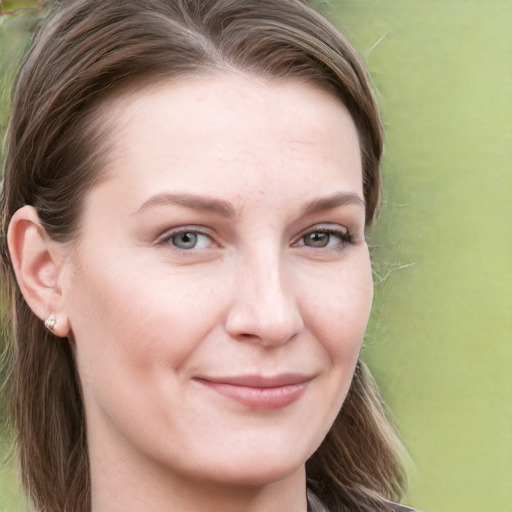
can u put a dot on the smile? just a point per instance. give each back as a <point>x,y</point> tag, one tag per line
<point>257,392</point>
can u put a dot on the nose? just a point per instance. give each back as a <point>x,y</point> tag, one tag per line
<point>264,309</point>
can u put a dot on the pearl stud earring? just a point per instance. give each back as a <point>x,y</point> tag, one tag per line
<point>50,323</point>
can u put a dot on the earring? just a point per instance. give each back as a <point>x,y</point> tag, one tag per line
<point>50,323</point>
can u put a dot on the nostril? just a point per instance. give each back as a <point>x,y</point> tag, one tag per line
<point>254,325</point>
<point>264,308</point>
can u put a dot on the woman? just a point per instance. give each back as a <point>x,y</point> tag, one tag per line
<point>186,194</point>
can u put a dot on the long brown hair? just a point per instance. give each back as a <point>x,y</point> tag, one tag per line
<point>85,51</point>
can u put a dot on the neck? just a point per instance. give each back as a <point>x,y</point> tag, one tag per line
<point>144,494</point>
<point>120,483</point>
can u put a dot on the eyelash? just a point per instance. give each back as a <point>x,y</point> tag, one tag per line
<point>345,237</point>
<point>166,239</point>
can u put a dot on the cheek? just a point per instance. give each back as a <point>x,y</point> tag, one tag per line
<point>338,316</point>
<point>338,312</point>
<point>130,329</point>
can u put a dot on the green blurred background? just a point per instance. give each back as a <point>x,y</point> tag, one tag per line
<point>439,342</point>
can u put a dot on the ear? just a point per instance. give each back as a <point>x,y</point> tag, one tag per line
<point>38,265</point>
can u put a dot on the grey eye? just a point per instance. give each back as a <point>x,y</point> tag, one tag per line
<point>317,239</point>
<point>185,240</point>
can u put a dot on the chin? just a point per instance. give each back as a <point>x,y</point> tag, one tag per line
<point>259,477</point>
<point>259,470</point>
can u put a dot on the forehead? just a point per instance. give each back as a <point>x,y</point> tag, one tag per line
<point>232,134</point>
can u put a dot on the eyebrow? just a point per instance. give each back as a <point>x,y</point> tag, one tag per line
<point>226,209</point>
<point>333,201</point>
<point>208,204</point>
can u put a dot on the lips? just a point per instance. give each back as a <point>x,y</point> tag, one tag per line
<point>258,392</point>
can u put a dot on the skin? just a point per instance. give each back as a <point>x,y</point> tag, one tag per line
<point>157,319</point>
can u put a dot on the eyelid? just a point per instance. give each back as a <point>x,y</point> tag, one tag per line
<point>326,228</point>
<point>170,233</point>
<point>334,229</point>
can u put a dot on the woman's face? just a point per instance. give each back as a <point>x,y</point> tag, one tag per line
<point>220,287</point>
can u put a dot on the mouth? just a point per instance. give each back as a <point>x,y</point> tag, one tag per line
<point>257,392</point>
